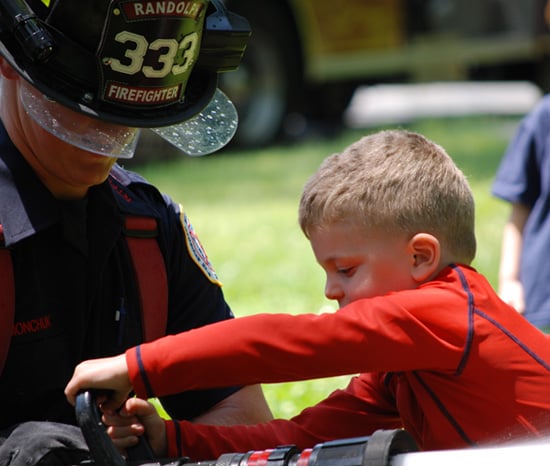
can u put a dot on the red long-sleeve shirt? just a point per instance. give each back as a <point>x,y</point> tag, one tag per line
<point>449,362</point>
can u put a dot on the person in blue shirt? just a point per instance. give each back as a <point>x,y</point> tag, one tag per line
<point>523,180</point>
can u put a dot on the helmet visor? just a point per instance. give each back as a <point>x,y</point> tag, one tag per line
<point>82,131</point>
<point>208,131</point>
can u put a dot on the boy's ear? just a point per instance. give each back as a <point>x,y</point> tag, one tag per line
<point>426,254</point>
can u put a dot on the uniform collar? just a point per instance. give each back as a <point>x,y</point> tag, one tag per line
<point>125,186</point>
<point>26,206</point>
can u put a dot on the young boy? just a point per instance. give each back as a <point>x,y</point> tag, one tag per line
<point>391,221</point>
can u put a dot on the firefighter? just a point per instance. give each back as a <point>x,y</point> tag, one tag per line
<point>78,80</point>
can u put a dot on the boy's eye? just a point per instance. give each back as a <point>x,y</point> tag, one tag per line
<point>346,271</point>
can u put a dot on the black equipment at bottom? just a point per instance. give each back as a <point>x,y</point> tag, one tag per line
<point>374,450</point>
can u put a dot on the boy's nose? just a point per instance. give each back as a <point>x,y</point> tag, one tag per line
<point>333,291</point>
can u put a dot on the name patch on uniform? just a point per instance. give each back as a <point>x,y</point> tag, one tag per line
<point>197,251</point>
<point>32,326</point>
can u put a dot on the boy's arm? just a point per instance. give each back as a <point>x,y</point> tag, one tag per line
<point>272,348</point>
<point>264,348</point>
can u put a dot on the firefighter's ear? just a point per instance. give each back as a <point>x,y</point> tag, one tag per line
<point>7,70</point>
<point>425,254</point>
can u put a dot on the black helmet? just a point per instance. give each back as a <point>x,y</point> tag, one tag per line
<point>136,63</point>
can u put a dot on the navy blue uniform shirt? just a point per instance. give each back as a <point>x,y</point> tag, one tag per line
<point>76,294</point>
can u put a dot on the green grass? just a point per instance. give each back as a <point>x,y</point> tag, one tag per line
<point>243,205</point>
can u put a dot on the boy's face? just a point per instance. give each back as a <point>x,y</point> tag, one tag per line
<point>359,265</point>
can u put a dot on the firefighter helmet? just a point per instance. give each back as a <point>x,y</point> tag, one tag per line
<point>133,63</point>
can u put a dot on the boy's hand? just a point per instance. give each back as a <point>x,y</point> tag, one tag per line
<point>137,417</point>
<point>103,374</point>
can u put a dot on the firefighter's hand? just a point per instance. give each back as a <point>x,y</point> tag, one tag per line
<point>137,417</point>
<point>108,374</point>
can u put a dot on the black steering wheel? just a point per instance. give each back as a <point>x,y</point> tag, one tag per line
<point>102,450</point>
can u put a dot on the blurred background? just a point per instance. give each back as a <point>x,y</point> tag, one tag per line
<point>316,76</point>
<point>307,58</point>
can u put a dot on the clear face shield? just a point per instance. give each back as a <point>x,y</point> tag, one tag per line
<point>205,133</point>
<point>87,133</point>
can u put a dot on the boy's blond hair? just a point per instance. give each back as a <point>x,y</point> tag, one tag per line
<point>395,181</point>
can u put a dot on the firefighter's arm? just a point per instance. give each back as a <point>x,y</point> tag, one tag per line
<point>245,406</point>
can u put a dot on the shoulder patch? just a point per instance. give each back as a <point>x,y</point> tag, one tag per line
<point>197,251</point>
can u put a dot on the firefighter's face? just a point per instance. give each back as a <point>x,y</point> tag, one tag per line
<point>67,171</point>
